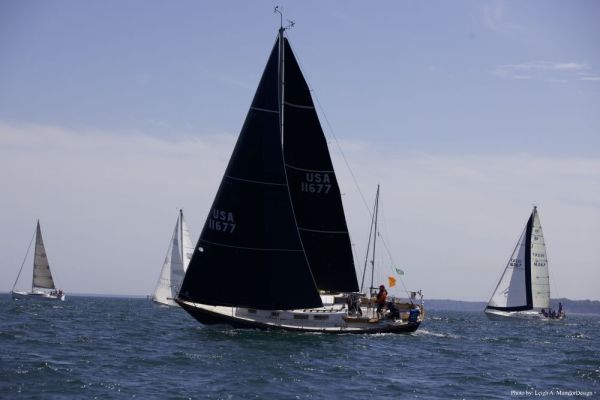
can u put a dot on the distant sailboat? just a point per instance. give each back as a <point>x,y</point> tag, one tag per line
<point>42,285</point>
<point>176,262</point>
<point>275,252</point>
<point>524,288</point>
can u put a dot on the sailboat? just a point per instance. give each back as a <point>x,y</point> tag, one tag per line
<point>42,284</point>
<point>524,288</point>
<point>176,262</point>
<point>275,252</point>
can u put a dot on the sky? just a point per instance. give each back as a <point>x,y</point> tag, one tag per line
<point>113,115</point>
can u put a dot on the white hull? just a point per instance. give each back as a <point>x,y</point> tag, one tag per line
<point>165,302</point>
<point>527,315</point>
<point>334,319</point>
<point>37,295</point>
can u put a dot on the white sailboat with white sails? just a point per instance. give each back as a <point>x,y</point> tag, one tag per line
<point>42,284</point>
<point>176,262</point>
<point>524,288</point>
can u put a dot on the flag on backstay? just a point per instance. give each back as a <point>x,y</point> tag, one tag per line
<point>391,281</point>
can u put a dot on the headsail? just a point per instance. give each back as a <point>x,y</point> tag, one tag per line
<point>313,186</point>
<point>511,292</point>
<point>175,264</point>
<point>42,277</point>
<point>250,253</point>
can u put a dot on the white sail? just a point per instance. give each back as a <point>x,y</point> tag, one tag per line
<point>42,277</point>
<point>540,280</point>
<point>187,246</point>
<point>511,290</point>
<point>173,270</point>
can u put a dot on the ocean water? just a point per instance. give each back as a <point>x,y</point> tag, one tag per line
<point>117,348</point>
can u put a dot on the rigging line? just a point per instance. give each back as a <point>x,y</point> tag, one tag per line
<point>24,259</point>
<point>337,143</point>
<point>392,266</point>
<point>339,147</point>
<point>362,283</point>
<point>330,128</point>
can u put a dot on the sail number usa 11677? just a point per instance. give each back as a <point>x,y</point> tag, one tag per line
<point>221,221</point>
<point>316,182</point>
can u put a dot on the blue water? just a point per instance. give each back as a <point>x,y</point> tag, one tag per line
<point>129,348</point>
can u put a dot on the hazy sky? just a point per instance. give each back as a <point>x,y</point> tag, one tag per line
<point>113,114</point>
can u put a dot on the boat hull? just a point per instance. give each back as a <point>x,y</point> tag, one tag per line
<point>166,302</point>
<point>37,296</point>
<point>526,315</point>
<point>310,320</point>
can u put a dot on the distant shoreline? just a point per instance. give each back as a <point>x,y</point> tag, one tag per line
<point>571,306</point>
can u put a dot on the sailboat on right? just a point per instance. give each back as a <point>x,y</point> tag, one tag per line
<point>524,288</point>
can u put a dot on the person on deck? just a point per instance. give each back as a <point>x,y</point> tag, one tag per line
<point>381,299</point>
<point>560,309</point>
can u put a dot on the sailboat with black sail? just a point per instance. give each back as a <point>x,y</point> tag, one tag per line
<point>275,251</point>
<point>524,288</point>
<point>42,283</point>
<point>176,262</point>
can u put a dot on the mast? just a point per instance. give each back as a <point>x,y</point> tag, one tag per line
<point>376,214</point>
<point>362,282</point>
<point>181,237</point>
<point>37,238</point>
<point>528,249</point>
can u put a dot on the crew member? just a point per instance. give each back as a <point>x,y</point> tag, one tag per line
<point>381,298</point>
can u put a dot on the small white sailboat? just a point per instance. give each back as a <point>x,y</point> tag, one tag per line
<point>524,288</point>
<point>42,285</point>
<point>275,252</point>
<point>176,262</point>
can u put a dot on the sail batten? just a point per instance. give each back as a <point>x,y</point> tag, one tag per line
<point>247,248</point>
<point>307,107</point>
<point>264,110</point>
<point>255,181</point>
<point>309,170</point>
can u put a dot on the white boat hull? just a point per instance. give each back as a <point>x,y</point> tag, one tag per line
<point>37,295</point>
<point>165,302</point>
<point>333,319</point>
<point>528,315</point>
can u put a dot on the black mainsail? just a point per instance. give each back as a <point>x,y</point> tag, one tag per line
<point>270,241</point>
